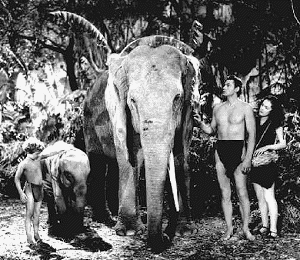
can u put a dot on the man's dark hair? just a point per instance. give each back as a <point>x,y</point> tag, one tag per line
<point>237,83</point>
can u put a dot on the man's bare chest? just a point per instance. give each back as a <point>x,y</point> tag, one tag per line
<point>230,116</point>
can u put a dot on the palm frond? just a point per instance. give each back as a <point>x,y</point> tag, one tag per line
<point>75,18</point>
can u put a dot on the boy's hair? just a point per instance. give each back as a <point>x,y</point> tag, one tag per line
<point>237,83</point>
<point>33,145</point>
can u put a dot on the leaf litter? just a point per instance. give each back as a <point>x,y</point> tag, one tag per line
<point>101,242</point>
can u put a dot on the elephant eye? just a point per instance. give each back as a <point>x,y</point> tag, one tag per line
<point>177,98</point>
<point>177,101</point>
<point>69,176</point>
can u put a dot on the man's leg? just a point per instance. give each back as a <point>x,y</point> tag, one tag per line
<point>262,204</point>
<point>224,183</point>
<point>241,187</point>
<point>36,220</point>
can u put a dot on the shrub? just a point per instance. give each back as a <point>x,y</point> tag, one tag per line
<point>205,191</point>
<point>11,154</point>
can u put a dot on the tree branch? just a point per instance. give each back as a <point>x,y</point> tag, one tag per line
<point>295,16</point>
<point>42,43</point>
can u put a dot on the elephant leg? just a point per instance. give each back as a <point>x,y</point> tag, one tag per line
<point>96,195</point>
<point>186,224</point>
<point>127,215</point>
<point>183,180</point>
<point>53,229</point>
<point>52,216</point>
<point>71,224</point>
<point>112,186</point>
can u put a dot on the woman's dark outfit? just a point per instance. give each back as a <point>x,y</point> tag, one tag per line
<point>265,175</point>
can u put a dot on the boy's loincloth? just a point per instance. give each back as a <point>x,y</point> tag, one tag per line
<point>230,153</point>
<point>37,191</point>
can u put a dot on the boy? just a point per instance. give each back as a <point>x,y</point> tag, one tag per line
<point>32,193</point>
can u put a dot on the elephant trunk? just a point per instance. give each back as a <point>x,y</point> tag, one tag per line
<point>80,202</point>
<point>156,162</point>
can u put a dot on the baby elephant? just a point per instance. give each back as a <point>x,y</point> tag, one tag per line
<point>65,171</point>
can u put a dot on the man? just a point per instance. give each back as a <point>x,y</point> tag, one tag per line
<point>232,121</point>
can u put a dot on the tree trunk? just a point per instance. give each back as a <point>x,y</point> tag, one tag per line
<point>70,63</point>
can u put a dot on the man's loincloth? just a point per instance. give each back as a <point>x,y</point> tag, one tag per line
<point>230,153</point>
<point>37,191</point>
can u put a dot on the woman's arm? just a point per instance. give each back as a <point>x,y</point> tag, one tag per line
<point>281,142</point>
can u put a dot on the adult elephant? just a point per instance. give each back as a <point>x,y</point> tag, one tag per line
<point>146,116</point>
<point>65,171</point>
<point>98,136</point>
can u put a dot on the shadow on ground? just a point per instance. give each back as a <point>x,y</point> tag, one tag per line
<point>89,240</point>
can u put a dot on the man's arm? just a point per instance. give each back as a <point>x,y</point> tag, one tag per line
<point>207,128</point>
<point>251,130</point>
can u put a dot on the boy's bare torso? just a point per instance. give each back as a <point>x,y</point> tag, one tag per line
<point>230,121</point>
<point>32,171</point>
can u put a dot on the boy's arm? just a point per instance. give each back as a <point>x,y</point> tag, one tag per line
<point>18,175</point>
<point>44,156</point>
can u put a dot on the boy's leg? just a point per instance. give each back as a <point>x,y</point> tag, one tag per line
<point>29,214</point>
<point>36,220</point>
<point>241,187</point>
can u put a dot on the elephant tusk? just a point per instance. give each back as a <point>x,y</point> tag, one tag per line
<point>172,177</point>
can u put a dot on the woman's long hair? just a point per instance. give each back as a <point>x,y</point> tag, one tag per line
<point>276,115</point>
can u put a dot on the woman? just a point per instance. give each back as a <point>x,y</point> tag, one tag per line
<point>269,127</point>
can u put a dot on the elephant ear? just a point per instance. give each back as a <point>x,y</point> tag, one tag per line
<point>191,81</point>
<point>196,81</point>
<point>115,98</point>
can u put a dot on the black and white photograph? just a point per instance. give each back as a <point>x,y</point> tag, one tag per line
<point>149,129</point>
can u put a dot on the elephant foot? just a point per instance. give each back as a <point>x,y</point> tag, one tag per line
<point>186,228</point>
<point>54,231</point>
<point>120,229</point>
<point>159,243</point>
<point>140,227</point>
<point>105,218</point>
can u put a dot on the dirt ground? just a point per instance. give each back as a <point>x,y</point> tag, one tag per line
<point>101,242</point>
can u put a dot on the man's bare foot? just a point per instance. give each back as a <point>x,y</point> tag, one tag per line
<point>248,235</point>
<point>228,234</point>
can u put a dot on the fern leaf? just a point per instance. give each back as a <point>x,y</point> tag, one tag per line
<point>75,18</point>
